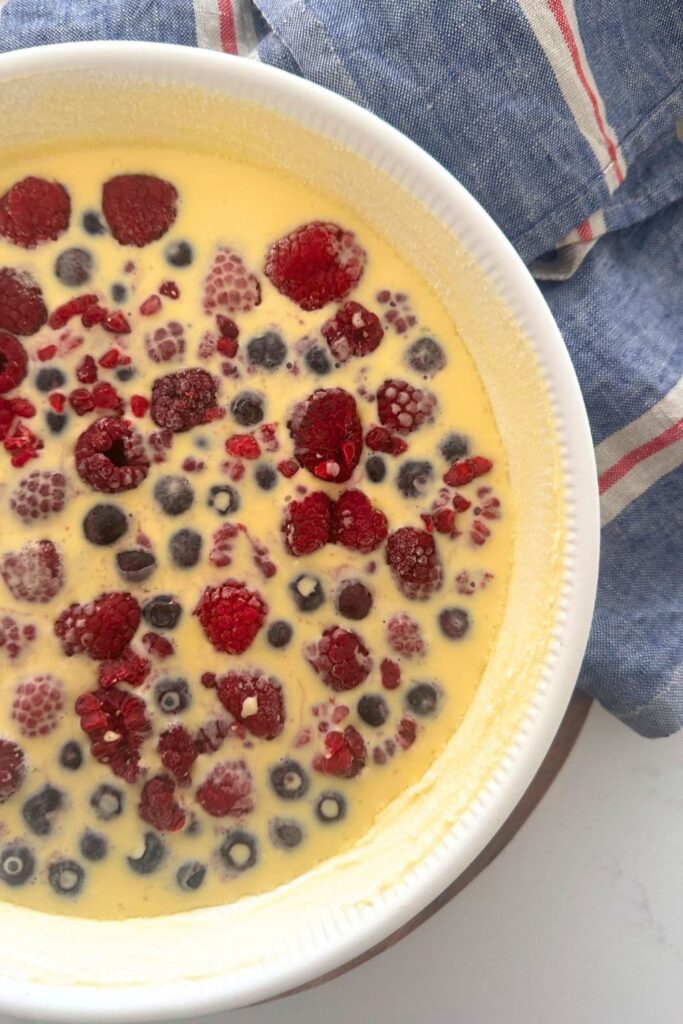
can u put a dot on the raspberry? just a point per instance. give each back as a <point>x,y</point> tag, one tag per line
<point>183,400</point>
<point>81,401</point>
<point>110,456</point>
<point>404,635</point>
<point>13,362</point>
<point>158,646</point>
<point>34,211</point>
<point>403,407</point>
<point>380,439</point>
<point>255,700</point>
<point>37,705</point>
<point>22,308</point>
<point>34,572</point>
<point>227,790</point>
<point>86,371</point>
<point>165,343</point>
<point>352,331</point>
<point>128,668</point>
<point>345,754</point>
<point>390,674</point>
<point>39,495</point>
<point>327,434</point>
<point>105,396</point>
<point>210,737</point>
<point>357,524</point>
<point>15,638</point>
<point>139,208</point>
<point>177,751</point>
<point>117,725</point>
<point>12,769</point>
<point>159,807</point>
<point>463,471</point>
<point>231,616</point>
<point>230,286</point>
<point>102,628</point>
<point>307,524</point>
<point>340,658</point>
<point>244,446</point>
<point>315,264</point>
<point>222,545</point>
<point>414,562</point>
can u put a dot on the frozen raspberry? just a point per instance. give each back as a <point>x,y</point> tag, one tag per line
<point>390,674</point>
<point>340,658</point>
<point>403,407</point>
<point>228,789</point>
<point>357,524</point>
<point>139,208</point>
<point>165,343</point>
<point>117,725</point>
<point>345,754</point>
<point>398,315</point>
<point>327,434</point>
<point>255,700</point>
<point>38,704</point>
<point>102,628</point>
<point>231,616</point>
<point>128,668</point>
<point>110,456</point>
<point>230,286</point>
<point>12,769</point>
<point>158,646</point>
<point>463,471</point>
<point>211,736</point>
<point>414,562</point>
<point>352,331</point>
<point>405,636</point>
<point>222,544</point>
<point>380,439</point>
<point>159,807</point>
<point>34,211</point>
<point>13,362</point>
<point>22,308</point>
<point>315,264</point>
<point>177,751</point>
<point>183,400</point>
<point>244,446</point>
<point>307,524</point>
<point>34,572</point>
<point>15,638</point>
<point>39,495</point>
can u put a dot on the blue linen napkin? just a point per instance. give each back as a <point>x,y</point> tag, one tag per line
<point>565,119</point>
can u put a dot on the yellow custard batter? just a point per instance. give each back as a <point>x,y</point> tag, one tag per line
<point>224,202</point>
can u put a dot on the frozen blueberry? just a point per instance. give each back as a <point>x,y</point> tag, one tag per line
<point>179,254</point>
<point>289,780</point>
<point>265,477</point>
<point>354,600</point>
<point>426,356</point>
<point>223,499</point>
<point>247,408</point>
<point>279,633</point>
<point>172,696</point>
<point>413,478</point>
<point>285,833</point>
<point>136,565</point>
<point>66,877</point>
<point>307,592</point>
<point>373,709</point>
<point>185,547</point>
<point>93,846</point>
<point>162,611</point>
<point>119,292</point>
<point>150,858</point>
<point>454,622</point>
<point>105,524</point>
<point>454,446</point>
<point>107,802</point>
<point>92,223</point>
<point>73,267</point>
<point>71,756</point>
<point>17,865</point>
<point>125,373</point>
<point>330,807</point>
<point>174,494</point>
<point>422,698</point>
<point>239,850</point>
<point>376,469</point>
<point>267,350</point>
<point>40,809</point>
<point>50,378</point>
<point>56,421</point>
<point>318,360</point>
<point>190,876</point>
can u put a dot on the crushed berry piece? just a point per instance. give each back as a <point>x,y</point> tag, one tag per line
<point>177,751</point>
<point>74,307</point>
<point>228,789</point>
<point>288,468</point>
<point>158,646</point>
<point>245,446</point>
<point>81,401</point>
<point>255,700</point>
<point>12,769</point>
<point>479,533</point>
<point>86,372</point>
<point>465,470</point>
<point>345,754</point>
<point>150,306</point>
<point>139,406</point>
<point>315,264</point>
<point>231,616</point>
<point>327,434</point>
<point>116,323</point>
<point>93,315</point>
<point>381,439</point>
<point>406,733</point>
<point>46,353</point>
<point>227,347</point>
<point>222,545</point>
<point>106,396</point>
<point>210,737</point>
<point>390,674</point>
<point>129,668</point>
<point>117,725</point>
<point>159,807</point>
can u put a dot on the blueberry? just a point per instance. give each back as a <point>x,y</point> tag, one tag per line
<point>289,780</point>
<point>17,865</point>
<point>373,710</point>
<point>285,833</point>
<point>239,850</point>
<point>267,350</point>
<point>185,547</point>
<point>50,378</point>
<point>73,267</point>
<point>422,698</point>
<point>279,633</point>
<point>190,876</point>
<point>318,360</point>
<point>307,592</point>
<point>66,877</point>
<point>426,356</point>
<point>162,611</point>
<point>39,810</point>
<point>150,858</point>
<point>174,494</point>
<point>105,524</point>
<point>71,756</point>
<point>92,223</point>
<point>454,446</point>
<point>413,478</point>
<point>330,807</point>
<point>265,477</point>
<point>179,254</point>
<point>376,469</point>
<point>247,408</point>
<point>223,499</point>
<point>136,565</point>
<point>454,622</point>
<point>119,292</point>
<point>93,846</point>
<point>172,696</point>
<point>125,373</point>
<point>56,422</point>
<point>107,802</point>
<point>354,600</point>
